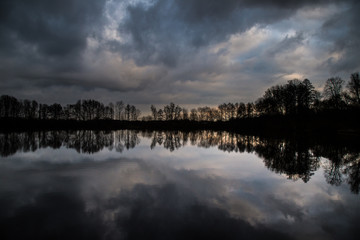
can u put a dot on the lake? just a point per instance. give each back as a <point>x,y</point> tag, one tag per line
<point>176,185</point>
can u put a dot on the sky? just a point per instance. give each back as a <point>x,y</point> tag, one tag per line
<point>203,52</point>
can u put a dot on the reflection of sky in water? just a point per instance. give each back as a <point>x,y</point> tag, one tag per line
<point>191,192</point>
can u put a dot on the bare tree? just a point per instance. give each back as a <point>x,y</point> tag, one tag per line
<point>333,91</point>
<point>185,114</point>
<point>354,88</point>
<point>127,112</point>
<point>193,115</point>
<point>250,109</point>
<point>177,112</point>
<point>154,112</point>
<point>119,109</point>
<point>241,111</point>
<point>160,115</point>
<point>9,106</point>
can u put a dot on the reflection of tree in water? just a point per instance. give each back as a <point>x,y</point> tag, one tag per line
<point>84,141</point>
<point>9,144</point>
<point>126,139</point>
<point>296,159</point>
<point>205,139</point>
<point>352,170</point>
<point>341,163</point>
<point>287,157</point>
<point>333,166</point>
<point>170,140</point>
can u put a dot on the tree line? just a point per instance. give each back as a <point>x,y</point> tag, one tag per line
<point>296,97</point>
<point>293,98</point>
<point>82,110</point>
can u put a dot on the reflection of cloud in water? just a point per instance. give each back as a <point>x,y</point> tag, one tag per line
<point>133,198</point>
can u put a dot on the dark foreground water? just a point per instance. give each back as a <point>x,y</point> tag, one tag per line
<point>174,185</point>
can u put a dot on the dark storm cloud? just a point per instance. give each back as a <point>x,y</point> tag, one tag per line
<point>55,28</point>
<point>342,31</point>
<point>41,40</point>
<point>168,30</point>
<point>144,49</point>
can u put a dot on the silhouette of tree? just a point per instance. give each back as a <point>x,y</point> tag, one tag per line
<point>30,109</point>
<point>92,109</point>
<point>241,111</point>
<point>222,109</point>
<point>55,111</point>
<point>272,102</point>
<point>160,115</point>
<point>231,110</point>
<point>290,96</point>
<point>214,114</point>
<point>354,88</point>
<point>333,91</point>
<point>43,111</point>
<point>76,111</point>
<point>295,97</point>
<point>193,115</point>
<point>307,95</point>
<point>177,112</point>
<point>26,109</point>
<point>250,109</point>
<point>169,111</point>
<point>172,112</point>
<point>185,115</point>
<point>154,112</point>
<point>134,112</point>
<point>127,112</point>
<point>137,114</point>
<point>10,107</point>
<point>119,106</point>
<point>203,113</point>
<point>227,111</point>
<point>109,111</point>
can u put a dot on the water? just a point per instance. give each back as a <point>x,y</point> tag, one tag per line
<point>175,185</point>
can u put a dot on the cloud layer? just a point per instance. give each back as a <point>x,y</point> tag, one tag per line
<point>189,52</point>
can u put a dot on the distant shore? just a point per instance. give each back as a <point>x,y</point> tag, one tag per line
<point>345,123</point>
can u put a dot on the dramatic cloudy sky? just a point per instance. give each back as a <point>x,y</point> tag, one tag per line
<point>187,51</point>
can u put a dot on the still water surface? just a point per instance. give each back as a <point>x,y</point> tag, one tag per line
<point>175,185</point>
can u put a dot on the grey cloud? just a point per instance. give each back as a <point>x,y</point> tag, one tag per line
<point>288,3</point>
<point>168,30</point>
<point>287,44</point>
<point>55,28</point>
<point>43,45</point>
<point>341,31</point>
<point>41,41</point>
